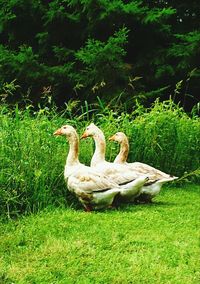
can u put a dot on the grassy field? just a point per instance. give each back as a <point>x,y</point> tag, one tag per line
<point>156,243</point>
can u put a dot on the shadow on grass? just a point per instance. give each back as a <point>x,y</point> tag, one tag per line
<point>161,203</point>
<point>130,207</point>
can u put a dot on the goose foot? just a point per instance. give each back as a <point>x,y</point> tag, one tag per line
<point>88,208</point>
<point>112,206</point>
<point>143,199</point>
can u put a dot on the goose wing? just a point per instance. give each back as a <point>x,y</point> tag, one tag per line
<point>89,181</point>
<point>119,173</point>
<point>153,173</point>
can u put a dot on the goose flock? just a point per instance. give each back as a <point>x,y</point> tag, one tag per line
<point>103,183</point>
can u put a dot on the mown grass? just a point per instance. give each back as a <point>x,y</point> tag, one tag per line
<point>156,243</point>
<point>32,159</point>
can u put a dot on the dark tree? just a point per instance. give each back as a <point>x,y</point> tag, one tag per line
<point>81,49</point>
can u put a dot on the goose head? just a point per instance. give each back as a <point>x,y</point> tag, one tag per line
<point>66,130</point>
<point>72,138</point>
<point>119,137</point>
<point>122,139</point>
<point>91,131</point>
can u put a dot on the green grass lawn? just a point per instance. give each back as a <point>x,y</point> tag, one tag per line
<point>156,243</point>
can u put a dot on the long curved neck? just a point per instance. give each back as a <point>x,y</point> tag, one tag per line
<point>123,153</point>
<point>100,149</point>
<point>72,157</point>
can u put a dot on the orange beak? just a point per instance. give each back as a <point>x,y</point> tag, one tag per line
<point>84,135</point>
<point>112,138</point>
<point>58,132</point>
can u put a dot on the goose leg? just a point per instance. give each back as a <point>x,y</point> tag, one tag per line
<point>144,198</point>
<point>88,208</point>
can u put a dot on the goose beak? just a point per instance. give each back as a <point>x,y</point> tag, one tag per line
<point>84,135</point>
<point>58,132</point>
<point>112,138</point>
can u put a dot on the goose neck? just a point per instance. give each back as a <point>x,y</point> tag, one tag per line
<point>100,149</point>
<point>72,158</point>
<point>123,153</point>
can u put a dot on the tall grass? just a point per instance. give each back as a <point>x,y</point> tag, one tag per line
<point>33,160</point>
<point>31,176</point>
<point>163,136</point>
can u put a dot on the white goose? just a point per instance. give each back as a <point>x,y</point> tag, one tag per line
<point>122,174</point>
<point>156,177</point>
<point>94,190</point>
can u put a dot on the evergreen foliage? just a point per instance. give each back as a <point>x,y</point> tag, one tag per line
<point>84,48</point>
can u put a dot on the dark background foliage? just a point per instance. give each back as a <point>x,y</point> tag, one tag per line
<point>81,49</point>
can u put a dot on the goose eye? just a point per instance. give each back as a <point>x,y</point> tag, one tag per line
<point>64,127</point>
